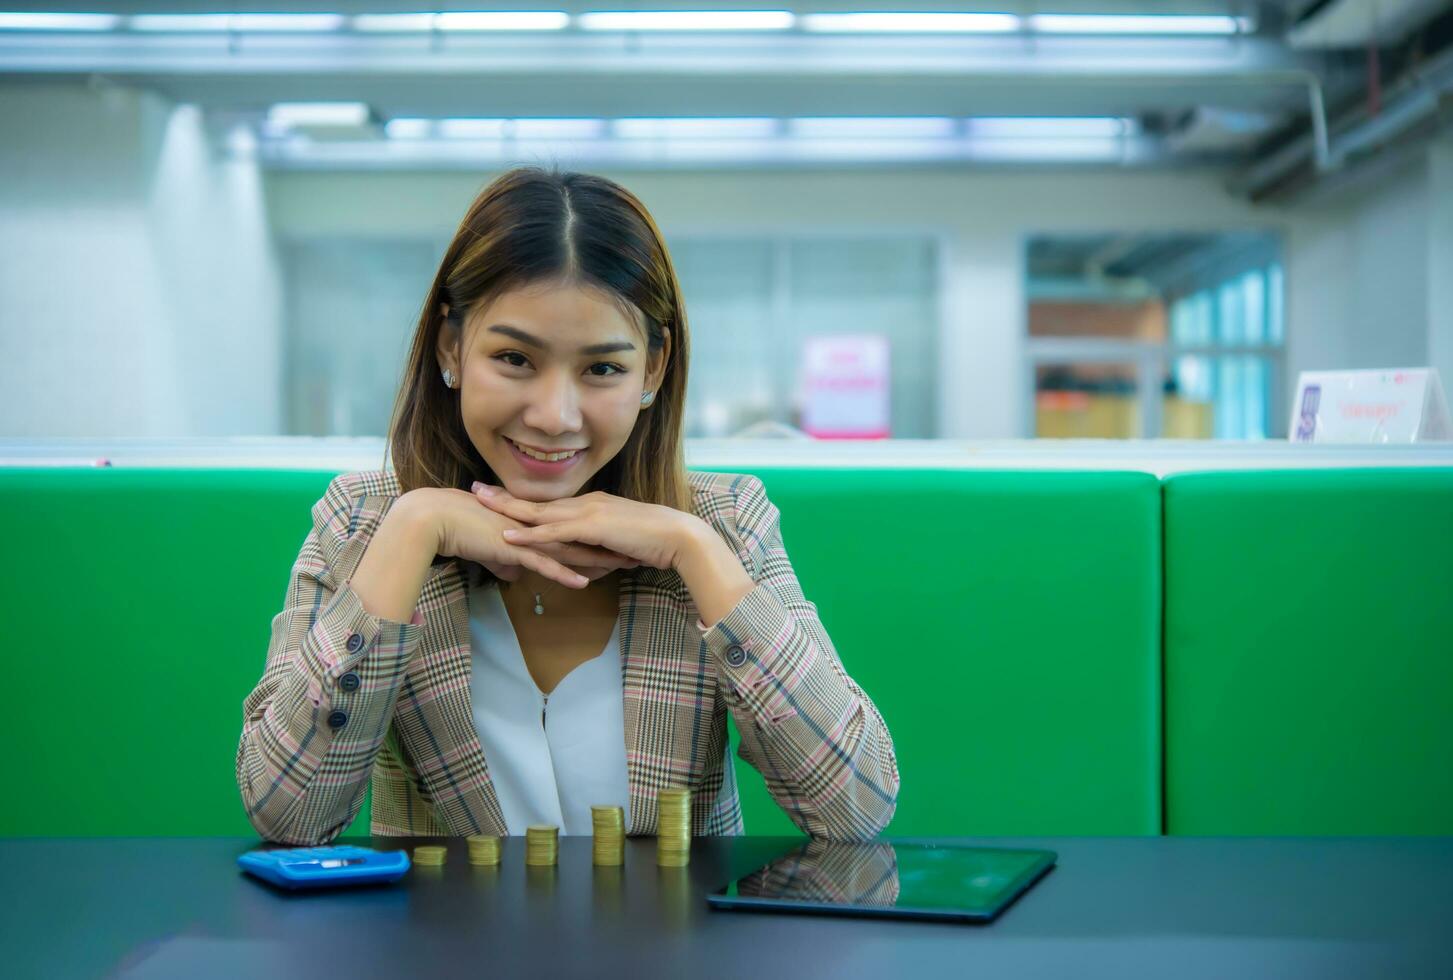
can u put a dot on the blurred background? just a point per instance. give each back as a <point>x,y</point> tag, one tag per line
<point>999,220</point>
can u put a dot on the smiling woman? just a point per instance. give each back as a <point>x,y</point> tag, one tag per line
<point>538,610</point>
<point>555,310</point>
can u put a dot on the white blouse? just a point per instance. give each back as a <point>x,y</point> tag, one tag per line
<point>551,758</point>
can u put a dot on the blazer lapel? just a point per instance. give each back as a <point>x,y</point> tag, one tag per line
<point>667,689</point>
<point>443,742</point>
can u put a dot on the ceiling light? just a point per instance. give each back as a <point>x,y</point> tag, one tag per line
<point>273,23</point>
<point>887,127</point>
<point>58,22</point>
<point>576,129</point>
<point>472,129</point>
<point>393,23</point>
<point>687,20</point>
<point>690,128</point>
<point>409,129</point>
<point>1137,24</point>
<point>1050,127</point>
<point>883,23</point>
<point>1045,150</point>
<point>290,114</point>
<point>504,20</point>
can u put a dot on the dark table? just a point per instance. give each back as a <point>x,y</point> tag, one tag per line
<point>1182,907</point>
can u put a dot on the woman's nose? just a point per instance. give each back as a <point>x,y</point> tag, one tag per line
<point>554,406</point>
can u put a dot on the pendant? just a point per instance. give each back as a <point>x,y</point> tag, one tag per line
<point>539,609</point>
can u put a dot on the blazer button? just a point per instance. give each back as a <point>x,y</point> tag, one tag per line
<point>355,642</point>
<point>735,655</point>
<point>349,681</point>
<point>337,719</point>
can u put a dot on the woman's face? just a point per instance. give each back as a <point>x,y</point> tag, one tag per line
<point>550,369</point>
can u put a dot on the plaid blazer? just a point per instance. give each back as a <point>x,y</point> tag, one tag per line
<point>346,695</point>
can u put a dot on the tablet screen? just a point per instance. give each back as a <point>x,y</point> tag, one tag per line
<point>949,880</point>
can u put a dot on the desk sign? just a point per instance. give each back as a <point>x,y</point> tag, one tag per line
<point>845,387</point>
<point>1393,405</point>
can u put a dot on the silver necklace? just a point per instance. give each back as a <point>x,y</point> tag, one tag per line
<point>539,604</point>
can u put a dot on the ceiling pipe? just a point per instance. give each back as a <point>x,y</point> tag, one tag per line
<point>1417,97</point>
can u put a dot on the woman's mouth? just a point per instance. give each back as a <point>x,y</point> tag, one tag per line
<point>542,463</point>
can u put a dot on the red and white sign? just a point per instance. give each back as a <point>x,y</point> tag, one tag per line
<point>1394,405</point>
<point>845,387</point>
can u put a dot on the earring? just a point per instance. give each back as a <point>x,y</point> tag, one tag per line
<point>448,378</point>
<point>647,398</point>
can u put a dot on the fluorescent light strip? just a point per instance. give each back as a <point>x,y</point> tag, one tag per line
<point>472,129</point>
<point>886,23</point>
<point>481,129</point>
<point>867,127</point>
<point>409,129</point>
<point>286,114</point>
<point>394,23</point>
<point>568,129</point>
<point>58,22</point>
<point>1099,150</point>
<point>920,128</point>
<point>1050,127</point>
<point>695,128</point>
<point>687,20</point>
<point>525,20</point>
<point>180,23</point>
<point>262,23</point>
<point>1137,24</point>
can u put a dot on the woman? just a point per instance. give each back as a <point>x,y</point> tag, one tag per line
<point>511,625</point>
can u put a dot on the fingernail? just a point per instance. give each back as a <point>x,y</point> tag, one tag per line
<point>485,489</point>
<point>512,533</point>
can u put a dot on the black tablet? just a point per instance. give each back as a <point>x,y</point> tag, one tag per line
<point>898,880</point>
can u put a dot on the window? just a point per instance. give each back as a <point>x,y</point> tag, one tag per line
<point>1155,335</point>
<point>755,303</point>
<point>1235,330</point>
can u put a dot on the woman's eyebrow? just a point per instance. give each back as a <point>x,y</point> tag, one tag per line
<point>530,339</point>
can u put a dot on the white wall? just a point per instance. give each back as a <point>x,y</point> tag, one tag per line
<point>1358,276</point>
<point>138,290</point>
<point>1440,260</point>
<point>984,220</point>
<point>140,294</point>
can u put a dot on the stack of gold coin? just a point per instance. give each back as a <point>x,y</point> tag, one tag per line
<point>673,828</point>
<point>608,824</point>
<point>429,855</point>
<point>542,844</point>
<point>484,850</point>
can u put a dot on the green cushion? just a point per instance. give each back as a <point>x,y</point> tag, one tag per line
<point>132,653</point>
<point>1309,652</point>
<point>1005,623</point>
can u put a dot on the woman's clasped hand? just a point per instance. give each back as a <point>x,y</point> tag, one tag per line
<point>473,532</point>
<point>628,532</point>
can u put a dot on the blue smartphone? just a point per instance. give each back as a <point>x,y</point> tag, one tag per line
<point>325,867</point>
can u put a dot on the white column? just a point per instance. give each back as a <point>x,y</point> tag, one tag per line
<point>1440,258</point>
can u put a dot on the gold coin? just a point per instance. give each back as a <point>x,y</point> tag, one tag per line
<point>484,850</point>
<point>673,827</point>
<point>430,854</point>
<point>541,844</point>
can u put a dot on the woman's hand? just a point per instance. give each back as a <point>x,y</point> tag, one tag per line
<point>650,534</point>
<point>475,533</point>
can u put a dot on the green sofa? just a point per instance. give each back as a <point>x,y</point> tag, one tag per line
<point>1309,652</point>
<point>1007,623</point>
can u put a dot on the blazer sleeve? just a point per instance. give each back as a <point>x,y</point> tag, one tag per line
<point>805,725</point>
<point>315,721</point>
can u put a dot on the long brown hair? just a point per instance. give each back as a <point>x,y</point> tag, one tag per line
<point>531,226</point>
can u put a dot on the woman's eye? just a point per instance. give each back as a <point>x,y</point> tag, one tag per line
<point>518,360</point>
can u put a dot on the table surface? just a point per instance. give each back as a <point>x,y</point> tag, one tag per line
<point>1114,906</point>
